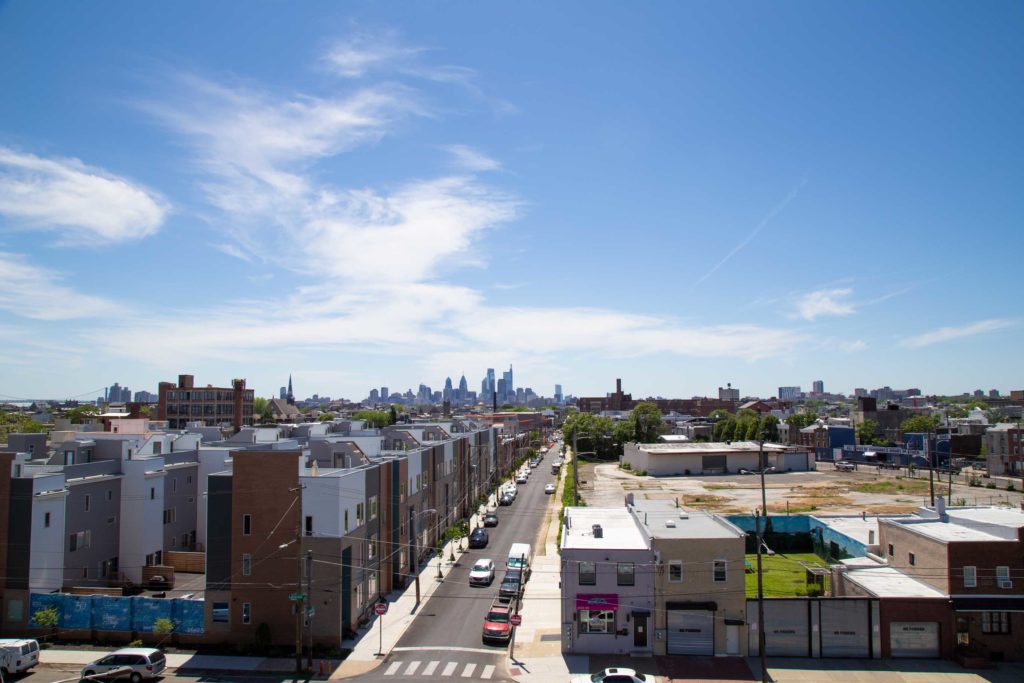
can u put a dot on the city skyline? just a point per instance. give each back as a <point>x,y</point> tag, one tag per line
<point>677,195</point>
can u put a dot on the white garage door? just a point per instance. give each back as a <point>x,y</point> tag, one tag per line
<point>844,628</point>
<point>691,632</point>
<point>914,639</point>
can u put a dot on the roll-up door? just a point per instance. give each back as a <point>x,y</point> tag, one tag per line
<point>844,628</point>
<point>787,633</point>
<point>913,639</point>
<point>691,632</point>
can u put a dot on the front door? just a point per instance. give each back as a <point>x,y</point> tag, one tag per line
<point>639,630</point>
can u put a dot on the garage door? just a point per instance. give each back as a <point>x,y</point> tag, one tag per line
<point>844,628</point>
<point>691,632</point>
<point>787,633</point>
<point>914,639</point>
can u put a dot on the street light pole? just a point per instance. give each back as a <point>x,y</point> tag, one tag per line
<point>309,608</point>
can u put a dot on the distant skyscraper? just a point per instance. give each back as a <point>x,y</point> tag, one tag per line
<point>384,394</point>
<point>728,393</point>
<point>374,396</point>
<point>789,393</point>
<point>818,387</point>
<point>558,394</point>
<point>501,391</point>
<point>446,395</point>
<point>510,387</point>
<point>115,393</point>
<point>463,388</point>
<point>283,393</point>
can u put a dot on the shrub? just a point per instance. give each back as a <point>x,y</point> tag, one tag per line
<point>990,485</point>
<point>1010,487</point>
<point>135,643</point>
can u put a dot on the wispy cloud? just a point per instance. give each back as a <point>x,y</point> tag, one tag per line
<point>33,292</point>
<point>945,334</point>
<point>760,226</point>
<point>854,345</point>
<point>83,203</point>
<point>825,302</point>
<point>360,53</point>
<point>471,159</point>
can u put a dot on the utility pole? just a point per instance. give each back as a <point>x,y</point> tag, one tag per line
<point>309,608</point>
<point>760,602</point>
<point>575,494</point>
<point>300,603</point>
<point>931,465</point>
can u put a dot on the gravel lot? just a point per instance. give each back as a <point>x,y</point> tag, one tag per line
<point>824,491</point>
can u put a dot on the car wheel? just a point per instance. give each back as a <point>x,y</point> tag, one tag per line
<point>136,677</point>
<point>88,673</point>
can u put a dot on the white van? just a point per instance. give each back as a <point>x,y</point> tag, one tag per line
<point>18,654</point>
<point>519,556</point>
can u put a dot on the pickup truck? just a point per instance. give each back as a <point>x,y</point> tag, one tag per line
<point>496,624</point>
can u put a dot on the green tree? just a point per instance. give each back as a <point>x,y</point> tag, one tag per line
<point>647,422</point>
<point>163,626</point>
<point>81,414</point>
<point>392,415</point>
<point>47,617</point>
<point>801,420</point>
<point>261,407</point>
<point>593,433</point>
<point>869,433</point>
<point>720,414</point>
<point>327,417</point>
<point>724,430</point>
<point>920,423</point>
<point>622,433</point>
<point>373,418</point>
<point>769,428</point>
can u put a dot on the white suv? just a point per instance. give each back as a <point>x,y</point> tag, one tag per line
<point>134,663</point>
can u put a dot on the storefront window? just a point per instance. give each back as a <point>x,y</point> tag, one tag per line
<point>597,621</point>
<point>588,573</point>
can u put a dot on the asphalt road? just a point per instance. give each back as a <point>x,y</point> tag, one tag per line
<point>444,641</point>
<point>53,673</point>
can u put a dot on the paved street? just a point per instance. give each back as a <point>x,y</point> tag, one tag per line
<point>444,640</point>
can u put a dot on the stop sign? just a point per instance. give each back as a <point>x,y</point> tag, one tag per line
<point>381,608</point>
<point>515,619</point>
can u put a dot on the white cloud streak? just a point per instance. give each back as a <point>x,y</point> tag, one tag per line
<point>825,302</point>
<point>760,226</point>
<point>33,292</point>
<point>945,334</point>
<point>472,160</point>
<point>83,203</point>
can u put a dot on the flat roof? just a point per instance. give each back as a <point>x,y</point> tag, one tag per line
<point>853,526</point>
<point>888,582</point>
<point>944,531</point>
<point>1001,516</point>
<point>619,530</point>
<point>657,515</point>
<point>709,447</point>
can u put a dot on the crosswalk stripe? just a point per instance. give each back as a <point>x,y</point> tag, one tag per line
<point>393,669</point>
<point>429,670</point>
<point>449,668</point>
<point>413,665</point>
<point>488,671</point>
<point>468,671</point>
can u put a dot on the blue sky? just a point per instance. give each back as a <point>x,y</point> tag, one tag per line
<point>364,194</point>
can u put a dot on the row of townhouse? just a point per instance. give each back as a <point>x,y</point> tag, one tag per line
<point>337,526</point>
<point>101,512</point>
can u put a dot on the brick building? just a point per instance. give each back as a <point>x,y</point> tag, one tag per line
<point>182,403</point>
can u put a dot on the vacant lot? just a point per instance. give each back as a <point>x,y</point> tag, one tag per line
<point>785,576</point>
<point>822,492</point>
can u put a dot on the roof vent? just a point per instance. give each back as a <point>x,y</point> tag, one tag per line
<point>670,523</point>
<point>598,531</point>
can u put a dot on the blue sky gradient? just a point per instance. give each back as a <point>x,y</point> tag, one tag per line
<point>366,194</point>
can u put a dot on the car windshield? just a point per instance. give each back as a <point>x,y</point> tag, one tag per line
<point>482,566</point>
<point>499,617</point>
<point>156,657</point>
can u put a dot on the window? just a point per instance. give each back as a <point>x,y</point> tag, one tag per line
<point>911,559</point>
<point>371,547</point>
<point>188,479</point>
<point>401,491</point>
<point>80,541</point>
<point>246,612</point>
<point>373,507</point>
<point>112,520</point>
<point>373,585</point>
<point>624,574</point>
<point>588,573</point>
<point>169,516</point>
<point>309,525</point>
<point>152,493</point>
<point>246,564</point>
<point>174,485</point>
<point>995,622</point>
<point>174,541</point>
<point>88,501</point>
<point>675,571</point>
<point>110,494</point>
<point>359,514</point>
<point>346,521</point>
<point>970,577</point>
<point>720,570</point>
<point>1002,576</point>
<point>246,525</point>
<point>46,520</point>
<point>597,621</point>
<point>892,551</point>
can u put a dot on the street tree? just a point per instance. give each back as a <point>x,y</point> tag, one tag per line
<point>869,433</point>
<point>646,421</point>
<point>920,423</point>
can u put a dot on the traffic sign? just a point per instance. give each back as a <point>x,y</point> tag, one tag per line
<point>297,596</point>
<point>515,619</point>
<point>381,608</point>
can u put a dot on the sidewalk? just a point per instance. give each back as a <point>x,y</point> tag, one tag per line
<point>192,662</point>
<point>402,610</point>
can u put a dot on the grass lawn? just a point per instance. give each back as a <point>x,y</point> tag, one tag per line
<point>784,576</point>
<point>898,485</point>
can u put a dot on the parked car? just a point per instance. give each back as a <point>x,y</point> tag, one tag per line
<point>615,675</point>
<point>491,519</point>
<point>18,654</point>
<point>511,583</point>
<point>132,663</point>
<point>521,478</point>
<point>482,573</point>
<point>496,622</point>
<point>550,488</point>
<point>478,539</point>
<point>767,470</point>
<point>506,499</point>
<point>845,466</point>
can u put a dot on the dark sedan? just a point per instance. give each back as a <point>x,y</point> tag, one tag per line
<point>478,539</point>
<point>511,584</point>
<point>490,519</point>
<point>506,500</point>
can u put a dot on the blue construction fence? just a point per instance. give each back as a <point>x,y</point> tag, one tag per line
<point>109,613</point>
<point>818,533</point>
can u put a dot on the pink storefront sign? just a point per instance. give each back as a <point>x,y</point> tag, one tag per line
<point>597,601</point>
